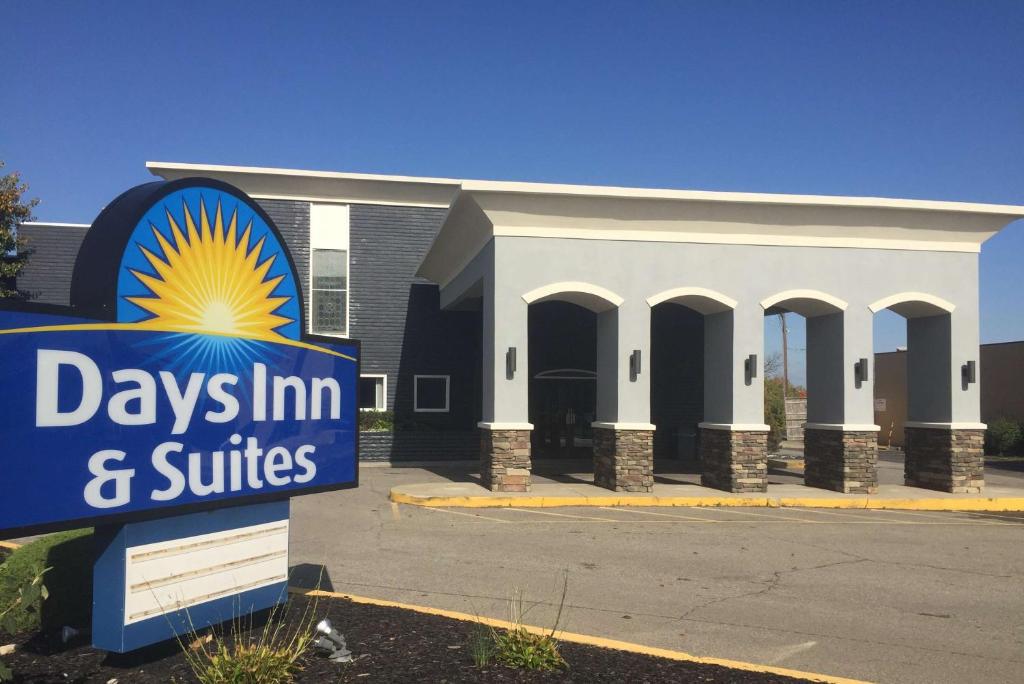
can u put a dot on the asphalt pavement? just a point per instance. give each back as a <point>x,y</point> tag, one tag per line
<point>894,596</point>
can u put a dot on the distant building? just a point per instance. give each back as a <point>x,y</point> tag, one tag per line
<point>1001,379</point>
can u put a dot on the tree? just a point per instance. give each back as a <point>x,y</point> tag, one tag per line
<point>13,212</point>
<point>773,365</point>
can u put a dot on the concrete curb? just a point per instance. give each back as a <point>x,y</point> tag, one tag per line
<point>786,464</point>
<point>586,639</point>
<point>756,501</point>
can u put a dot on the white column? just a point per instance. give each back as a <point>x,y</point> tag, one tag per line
<point>964,347</point>
<point>858,396</point>
<point>748,338</point>
<point>634,391</point>
<point>505,320</point>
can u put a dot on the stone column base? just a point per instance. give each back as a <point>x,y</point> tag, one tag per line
<point>505,460</point>
<point>624,459</point>
<point>841,461</point>
<point>734,461</point>
<point>946,460</point>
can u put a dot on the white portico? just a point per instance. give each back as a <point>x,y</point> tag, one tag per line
<point>621,253</point>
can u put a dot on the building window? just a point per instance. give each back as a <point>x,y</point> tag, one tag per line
<point>373,392</point>
<point>430,393</point>
<point>329,282</point>
<point>330,291</point>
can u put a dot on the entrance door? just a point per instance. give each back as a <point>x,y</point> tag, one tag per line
<point>562,405</point>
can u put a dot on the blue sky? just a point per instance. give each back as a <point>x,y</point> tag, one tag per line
<point>898,99</point>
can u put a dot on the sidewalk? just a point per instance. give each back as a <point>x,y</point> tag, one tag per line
<point>548,495</point>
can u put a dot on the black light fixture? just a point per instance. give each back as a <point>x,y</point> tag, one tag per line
<point>860,370</point>
<point>332,642</point>
<point>634,365</point>
<point>969,372</point>
<point>750,367</point>
<point>510,363</point>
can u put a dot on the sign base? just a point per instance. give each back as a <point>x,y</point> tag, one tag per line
<point>158,579</point>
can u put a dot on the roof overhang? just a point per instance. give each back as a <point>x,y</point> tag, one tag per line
<point>319,186</point>
<point>486,209</point>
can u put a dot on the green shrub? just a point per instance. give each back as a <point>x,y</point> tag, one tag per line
<point>1003,436</point>
<point>376,421</point>
<point>69,555</point>
<point>774,412</point>
<point>29,598</point>
<point>521,649</point>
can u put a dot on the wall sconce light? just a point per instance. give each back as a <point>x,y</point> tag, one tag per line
<point>510,363</point>
<point>969,372</point>
<point>860,370</point>
<point>634,365</point>
<point>750,367</point>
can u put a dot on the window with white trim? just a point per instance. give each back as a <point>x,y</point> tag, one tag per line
<point>328,269</point>
<point>373,392</point>
<point>431,393</point>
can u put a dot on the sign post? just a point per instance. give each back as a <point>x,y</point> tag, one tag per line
<point>176,405</point>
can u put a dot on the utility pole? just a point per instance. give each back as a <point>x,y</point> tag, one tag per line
<point>785,357</point>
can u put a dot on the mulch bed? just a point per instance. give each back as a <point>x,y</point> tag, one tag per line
<point>389,645</point>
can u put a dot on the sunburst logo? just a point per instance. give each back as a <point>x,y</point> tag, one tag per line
<point>208,279</point>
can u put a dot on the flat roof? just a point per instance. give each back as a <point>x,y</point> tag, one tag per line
<point>179,169</point>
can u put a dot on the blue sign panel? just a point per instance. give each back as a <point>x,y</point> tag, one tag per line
<point>179,378</point>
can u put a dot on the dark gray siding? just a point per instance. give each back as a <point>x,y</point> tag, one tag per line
<point>387,245</point>
<point>292,221</point>
<point>47,275</point>
<point>397,316</point>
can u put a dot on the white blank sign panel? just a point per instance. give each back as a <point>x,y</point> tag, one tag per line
<point>172,575</point>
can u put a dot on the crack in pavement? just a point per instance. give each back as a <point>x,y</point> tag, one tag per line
<point>771,583</point>
<point>978,573</point>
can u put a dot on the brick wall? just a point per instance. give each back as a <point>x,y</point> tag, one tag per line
<point>448,445</point>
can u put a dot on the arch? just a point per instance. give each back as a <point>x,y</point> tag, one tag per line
<point>566,374</point>
<point>587,295</point>
<point>807,303</point>
<point>913,305</point>
<point>700,299</point>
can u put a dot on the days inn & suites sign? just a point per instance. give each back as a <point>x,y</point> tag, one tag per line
<point>176,404</point>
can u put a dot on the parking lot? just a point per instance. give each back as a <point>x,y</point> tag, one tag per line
<point>879,595</point>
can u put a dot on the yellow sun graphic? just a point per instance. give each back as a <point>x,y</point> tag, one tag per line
<point>210,281</point>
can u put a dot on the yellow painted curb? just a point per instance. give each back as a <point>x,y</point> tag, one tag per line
<point>587,639</point>
<point>784,464</point>
<point>861,502</point>
<point>9,545</point>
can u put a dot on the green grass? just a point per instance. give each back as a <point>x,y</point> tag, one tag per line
<point>69,581</point>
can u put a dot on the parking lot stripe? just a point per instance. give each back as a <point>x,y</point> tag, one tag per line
<point>736,511</point>
<point>560,515</point>
<point>469,515</point>
<point>944,516</point>
<point>658,513</point>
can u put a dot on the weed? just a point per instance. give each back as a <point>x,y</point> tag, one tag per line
<point>481,645</point>
<point>270,658</point>
<point>518,646</point>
